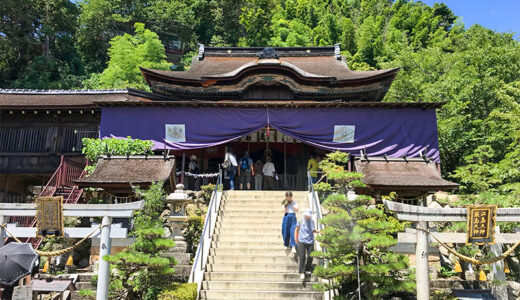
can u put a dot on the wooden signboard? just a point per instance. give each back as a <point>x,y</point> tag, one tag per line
<point>481,224</point>
<point>49,216</point>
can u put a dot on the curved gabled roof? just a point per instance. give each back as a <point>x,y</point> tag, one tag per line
<point>321,68</point>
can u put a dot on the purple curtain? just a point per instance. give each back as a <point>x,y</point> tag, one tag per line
<point>394,132</point>
<point>204,127</point>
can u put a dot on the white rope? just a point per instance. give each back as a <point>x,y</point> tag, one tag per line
<point>197,175</point>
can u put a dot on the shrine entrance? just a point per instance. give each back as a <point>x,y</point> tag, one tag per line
<point>289,155</point>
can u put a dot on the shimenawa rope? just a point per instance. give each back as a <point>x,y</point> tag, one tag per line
<point>56,252</point>
<point>471,259</point>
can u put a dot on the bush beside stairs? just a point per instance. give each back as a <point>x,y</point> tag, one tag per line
<point>247,258</point>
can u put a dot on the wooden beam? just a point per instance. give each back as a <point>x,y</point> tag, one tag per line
<point>116,232</point>
<point>415,213</point>
<point>124,210</point>
<point>410,236</point>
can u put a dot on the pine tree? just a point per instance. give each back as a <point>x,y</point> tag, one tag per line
<point>356,229</point>
<point>140,272</point>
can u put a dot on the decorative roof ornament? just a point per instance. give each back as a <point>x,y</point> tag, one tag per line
<point>201,52</point>
<point>337,51</point>
<point>268,52</point>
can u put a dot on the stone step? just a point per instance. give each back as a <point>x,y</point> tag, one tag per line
<point>84,285</point>
<point>249,267</point>
<point>252,259</point>
<point>256,276</point>
<point>246,243</point>
<point>253,238</point>
<point>256,286</point>
<point>250,230</point>
<point>230,223</point>
<point>255,214</point>
<point>248,295</point>
<point>77,296</point>
<point>86,277</point>
<point>252,192</point>
<point>278,251</point>
<point>262,199</point>
<point>260,210</point>
<point>258,203</point>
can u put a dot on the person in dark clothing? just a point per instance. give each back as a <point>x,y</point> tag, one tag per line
<point>245,171</point>
<point>304,237</point>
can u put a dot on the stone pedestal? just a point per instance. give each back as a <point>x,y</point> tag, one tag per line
<point>177,202</point>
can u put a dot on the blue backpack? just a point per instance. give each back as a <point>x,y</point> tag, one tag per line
<point>244,163</point>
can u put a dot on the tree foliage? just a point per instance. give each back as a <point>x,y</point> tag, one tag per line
<point>59,43</point>
<point>357,229</point>
<point>141,271</point>
<point>127,54</point>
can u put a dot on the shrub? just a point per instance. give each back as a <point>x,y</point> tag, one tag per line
<point>87,293</point>
<point>182,291</point>
<point>192,231</point>
<point>95,148</point>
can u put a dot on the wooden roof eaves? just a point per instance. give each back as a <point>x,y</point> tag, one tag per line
<point>149,74</point>
<point>287,103</point>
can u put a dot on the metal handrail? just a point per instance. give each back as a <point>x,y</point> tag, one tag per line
<point>315,205</point>
<point>318,215</point>
<point>201,256</point>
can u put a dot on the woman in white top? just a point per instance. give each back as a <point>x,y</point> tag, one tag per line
<point>230,166</point>
<point>290,208</point>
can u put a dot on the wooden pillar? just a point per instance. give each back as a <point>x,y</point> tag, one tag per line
<point>284,164</point>
<point>421,262</point>
<point>183,167</point>
<point>104,267</point>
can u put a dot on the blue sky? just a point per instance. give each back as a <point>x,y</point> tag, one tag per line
<point>499,15</point>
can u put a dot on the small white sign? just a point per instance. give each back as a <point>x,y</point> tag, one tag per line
<point>175,133</point>
<point>344,133</point>
<point>23,292</point>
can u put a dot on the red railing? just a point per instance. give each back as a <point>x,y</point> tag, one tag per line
<point>61,183</point>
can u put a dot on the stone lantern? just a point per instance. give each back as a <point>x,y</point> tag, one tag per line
<point>177,202</point>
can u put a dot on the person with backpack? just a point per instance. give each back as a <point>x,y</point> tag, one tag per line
<point>230,166</point>
<point>245,171</point>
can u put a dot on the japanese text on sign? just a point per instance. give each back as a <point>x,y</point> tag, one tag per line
<point>481,224</point>
<point>49,216</point>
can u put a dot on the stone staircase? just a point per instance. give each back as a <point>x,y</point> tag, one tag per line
<point>247,259</point>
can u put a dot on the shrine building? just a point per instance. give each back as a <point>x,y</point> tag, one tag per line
<point>282,103</point>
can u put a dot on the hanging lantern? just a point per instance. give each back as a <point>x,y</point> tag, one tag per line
<point>46,266</point>
<point>506,268</point>
<point>458,267</point>
<point>482,276</point>
<point>70,261</point>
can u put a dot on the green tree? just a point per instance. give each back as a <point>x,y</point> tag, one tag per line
<point>226,18</point>
<point>127,54</point>
<point>36,45</point>
<point>141,271</point>
<point>256,18</point>
<point>102,20</point>
<point>355,229</point>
